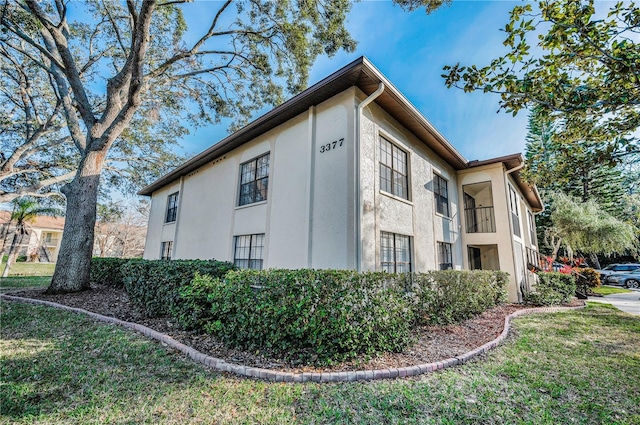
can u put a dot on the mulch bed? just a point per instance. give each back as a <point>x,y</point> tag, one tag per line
<point>433,343</point>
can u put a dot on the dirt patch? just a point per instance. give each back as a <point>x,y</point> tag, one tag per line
<point>433,343</point>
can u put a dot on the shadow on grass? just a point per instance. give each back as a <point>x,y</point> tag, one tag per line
<point>88,372</point>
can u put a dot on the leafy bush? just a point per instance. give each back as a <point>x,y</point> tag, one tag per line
<point>586,279</point>
<point>154,285</point>
<point>551,288</point>
<point>108,271</point>
<point>21,259</point>
<point>309,315</point>
<point>449,296</point>
<point>326,315</point>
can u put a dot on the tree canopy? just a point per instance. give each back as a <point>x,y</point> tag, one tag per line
<point>571,61</point>
<point>129,70</point>
<point>584,227</point>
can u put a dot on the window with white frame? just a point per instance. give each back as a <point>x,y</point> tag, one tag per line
<point>532,228</point>
<point>166,250</point>
<point>445,256</point>
<point>395,252</point>
<point>172,208</point>
<point>515,214</point>
<point>441,193</point>
<point>393,169</point>
<point>248,251</point>
<point>254,180</point>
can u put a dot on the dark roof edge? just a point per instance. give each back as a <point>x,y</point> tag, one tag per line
<point>227,143</point>
<point>511,162</point>
<point>504,159</point>
<point>197,161</point>
<point>462,161</point>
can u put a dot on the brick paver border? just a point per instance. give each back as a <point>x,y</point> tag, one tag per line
<point>279,376</point>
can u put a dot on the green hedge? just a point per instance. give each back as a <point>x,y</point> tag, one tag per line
<point>551,288</point>
<point>307,315</point>
<point>154,285</point>
<point>108,271</point>
<point>450,296</point>
<point>325,315</point>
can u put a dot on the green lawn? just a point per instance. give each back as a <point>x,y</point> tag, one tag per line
<point>24,281</point>
<point>608,290</point>
<point>30,269</point>
<point>573,367</point>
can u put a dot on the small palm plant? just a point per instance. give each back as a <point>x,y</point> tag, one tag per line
<point>25,211</point>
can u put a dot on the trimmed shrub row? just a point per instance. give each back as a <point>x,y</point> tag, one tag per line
<point>107,271</point>
<point>154,285</point>
<point>325,315</point>
<point>306,315</point>
<point>450,296</point>
<point>551,288</point>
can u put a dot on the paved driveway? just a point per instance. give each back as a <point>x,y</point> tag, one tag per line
<point>629,301</point>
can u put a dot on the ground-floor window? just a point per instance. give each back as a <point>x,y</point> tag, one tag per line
<point>248,251</point>
<point>166,250</point>
<point>395,252</point>
<point>445,257</point>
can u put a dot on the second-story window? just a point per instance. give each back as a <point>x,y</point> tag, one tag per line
<point>172,208</point>
<point>532,228</point>
<point>515,212</point>
<point>441,193</point>
<point>393,169</point>
<point>254,180</point>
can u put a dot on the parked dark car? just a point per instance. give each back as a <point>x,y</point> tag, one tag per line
<point>612,269</point>
<point>628,279</point>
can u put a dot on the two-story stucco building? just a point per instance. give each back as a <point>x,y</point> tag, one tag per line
<point>345,175</point>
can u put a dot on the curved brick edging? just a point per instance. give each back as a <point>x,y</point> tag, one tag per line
<point>277,376</point>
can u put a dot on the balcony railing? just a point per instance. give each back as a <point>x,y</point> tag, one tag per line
<point>480,220</point>
<point>535,260</point>
<point>50,242</point>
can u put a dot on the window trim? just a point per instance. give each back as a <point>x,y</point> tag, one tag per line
<point>439,246</point>
<point>407,181</point>
<point>252,238</point>
<point>255,179</point>
<point>395,261</point>
<point>173,209</point>
<point>436,194</point>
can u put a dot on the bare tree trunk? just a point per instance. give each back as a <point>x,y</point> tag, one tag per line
<point>12,254</point>
<point>595,262</point>
<point>74,260</point>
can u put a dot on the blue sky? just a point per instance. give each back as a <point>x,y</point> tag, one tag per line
<point>411,49</point>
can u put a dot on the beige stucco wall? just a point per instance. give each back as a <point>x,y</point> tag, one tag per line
<point>309,216</point>
<point>504,238</point>
<point>308,194</point>
<point>158,231</point>
<point>415,217</point>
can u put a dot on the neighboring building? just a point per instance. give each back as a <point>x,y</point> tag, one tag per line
<point>125,239</point>
<point>345,175</point>
<point>43,241</point>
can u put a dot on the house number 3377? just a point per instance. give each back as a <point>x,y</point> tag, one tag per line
<point>331,145</point>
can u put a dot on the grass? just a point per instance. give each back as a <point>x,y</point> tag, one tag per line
<point>574,367</point>
<point>24,281</point>
<point>30,269</point>
<point>608,290</point>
